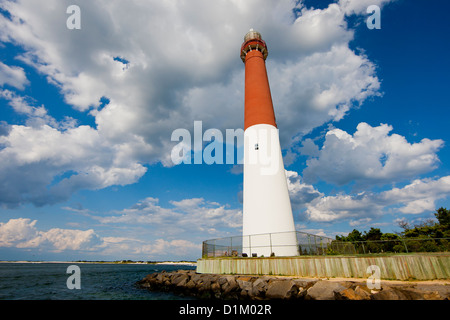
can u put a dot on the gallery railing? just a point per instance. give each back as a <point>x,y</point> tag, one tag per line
<point>310,244</point>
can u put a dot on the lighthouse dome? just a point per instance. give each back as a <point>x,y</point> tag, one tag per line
<point>252,34</point>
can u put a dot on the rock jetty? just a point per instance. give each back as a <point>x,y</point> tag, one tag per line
<point>246,287</point>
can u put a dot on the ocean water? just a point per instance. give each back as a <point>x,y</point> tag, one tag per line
<point>99,281</point>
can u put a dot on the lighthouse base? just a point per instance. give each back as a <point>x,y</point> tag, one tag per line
<point>268,224</point>
<point>282,244</point>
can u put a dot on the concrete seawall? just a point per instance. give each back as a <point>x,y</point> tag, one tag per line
<point>392,267</point>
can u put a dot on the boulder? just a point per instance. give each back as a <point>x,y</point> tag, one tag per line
<point>259,287</point>
<point>388,293</point>
<point>433,290</point>
<point>346,294</point>
<point>302,286</point>
<point>304,283</point>
<point>362,292</point>
<point>151,276</point>
<point>223,279</point>
<point>190,285</point>
<point>324,290</point>
<point>185,271</point>
<point>413,293</point>
<point>230,286</point>
<point>281,289</point>
<point>245,283</point>
<point>434,295</point>
<point>196,277</point>
<point>161,277</point>
<point>180,279</point>
<point>357,292</point>
<point>215,287</point>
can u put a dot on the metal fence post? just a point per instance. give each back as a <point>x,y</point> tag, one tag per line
<point>315,245</point>
<point>270,239</point>
<point>231,247</point>
<point>309,243</point>
<point>404,243</point>
<point>204,249</point>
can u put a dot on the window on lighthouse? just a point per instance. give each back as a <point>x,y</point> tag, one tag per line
<point>256,147</point>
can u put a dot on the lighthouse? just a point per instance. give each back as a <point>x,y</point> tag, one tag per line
<point>268,223</point>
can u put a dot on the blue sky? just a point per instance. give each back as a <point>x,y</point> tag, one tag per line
<point>86,118</point>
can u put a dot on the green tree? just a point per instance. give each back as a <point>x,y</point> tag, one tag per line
<point>373,234</point>
<point>443,216</point>
<point>425,229</point>
<point>419,237</point>
<point>429,229</point>
<point>355,235</point>
<point>390,245</point>
<point>389,236</point>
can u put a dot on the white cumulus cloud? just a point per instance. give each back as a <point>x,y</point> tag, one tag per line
<point>45,165</point>
<point>360,6</point>
<point>12,75</point>
<point>300,193</point>
<point>371,155</point>
<point>187,216</point>
<point>417,197</point>
<point>22,233</point>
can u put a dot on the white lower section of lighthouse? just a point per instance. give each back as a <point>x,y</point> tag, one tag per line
<point>268,224</point>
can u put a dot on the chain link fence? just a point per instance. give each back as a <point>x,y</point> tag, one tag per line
<point>306,244</point>
<point>310,244</point>
<point>401,245</point>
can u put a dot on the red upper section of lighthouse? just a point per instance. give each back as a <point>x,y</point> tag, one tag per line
<point>258,100</point>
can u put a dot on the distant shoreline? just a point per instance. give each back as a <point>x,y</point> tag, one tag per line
<point>184,263</point>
